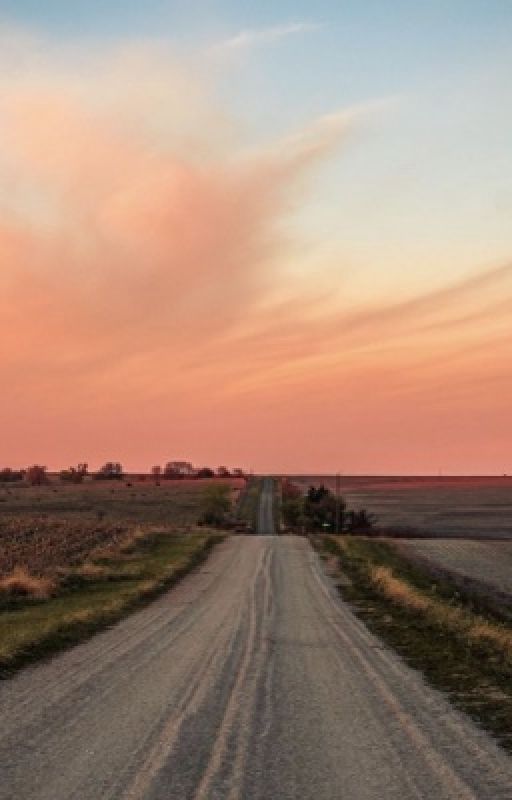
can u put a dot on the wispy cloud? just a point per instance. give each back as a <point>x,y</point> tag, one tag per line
<point>257,37</point>
<point>161,247</point>
<point>142,282</point>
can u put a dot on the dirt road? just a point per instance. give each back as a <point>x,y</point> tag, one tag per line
<point>265,522</point>
<point>250,680</point>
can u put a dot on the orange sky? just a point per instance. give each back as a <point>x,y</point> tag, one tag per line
<point>157,301</point>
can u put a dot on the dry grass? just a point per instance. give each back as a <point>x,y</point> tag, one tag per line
<point>398,591</point>
<point>20,583</point>
<point>450,618</point>
<point>102,594</point>
<point>135,539</point>
<point>459,647</point>
<point>500,638</point>
<point>76,558</point>
<point>89,572</point>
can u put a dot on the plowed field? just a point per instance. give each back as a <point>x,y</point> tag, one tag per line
<point>487,563</point>
<point>50,527</point>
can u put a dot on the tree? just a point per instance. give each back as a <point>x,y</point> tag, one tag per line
<point>74,474</point>
<point>112,470</point>
<point>175,470</point>
<point>36,475</point>
<point>320,510</point>
<point>317,495</point>
<point>362,520</point>
<point>156,472</point>
<point>223,472</point>
<point>8,475</point>
<point>292,511</point>
<point>215,503</point>
<point>205,472</point>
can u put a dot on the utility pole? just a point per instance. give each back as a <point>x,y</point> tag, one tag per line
<point>338,515</point>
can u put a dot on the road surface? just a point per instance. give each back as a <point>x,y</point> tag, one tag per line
<point>250,680</point>
<point>265,522</point>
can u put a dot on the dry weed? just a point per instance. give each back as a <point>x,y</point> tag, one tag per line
<point>500,638</point>
<point>398,591</point>
<point>21,583</point>
<point>457,620</point>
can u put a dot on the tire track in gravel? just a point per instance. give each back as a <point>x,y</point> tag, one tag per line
<point>250,680</point>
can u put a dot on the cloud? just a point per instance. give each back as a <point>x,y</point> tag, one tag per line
<point>144,283</point>
<point>258,37</point>
<point>121,253</point>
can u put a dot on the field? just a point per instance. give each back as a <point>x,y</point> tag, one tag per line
<point>48,528</point>
<point>477,565</point>
<point>476,508</point>
<point>76,558</point>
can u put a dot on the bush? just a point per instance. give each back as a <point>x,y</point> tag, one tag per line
<point>292,511</point>
<point>361,520</point>
<point>215,504</point>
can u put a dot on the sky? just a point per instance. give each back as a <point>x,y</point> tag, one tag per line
<point>272,235</point>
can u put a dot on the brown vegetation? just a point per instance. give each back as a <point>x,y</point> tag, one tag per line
<point>57,526</point>
<point>41,545</point>
<point>461,647</point>
<point>441,614</point>
<point>20,583</point>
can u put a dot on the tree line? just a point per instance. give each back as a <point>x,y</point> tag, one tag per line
<point>38,475</point>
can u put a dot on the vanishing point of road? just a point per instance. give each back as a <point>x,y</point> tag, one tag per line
<point>251,680</point>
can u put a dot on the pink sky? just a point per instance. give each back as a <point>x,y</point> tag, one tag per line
<point>157,301</point>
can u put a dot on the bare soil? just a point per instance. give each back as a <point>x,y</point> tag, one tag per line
<point>51,527</point>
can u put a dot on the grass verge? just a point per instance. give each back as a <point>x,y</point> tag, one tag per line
<point>460,650</point>
<point>97,595</point>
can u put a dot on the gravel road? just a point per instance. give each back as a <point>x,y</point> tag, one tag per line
<point>265,521</point>
<point>250,680</point>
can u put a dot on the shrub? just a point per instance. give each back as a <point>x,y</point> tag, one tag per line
<point>215,504</point>
<point>361,520</point>
<point>292,512</point>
